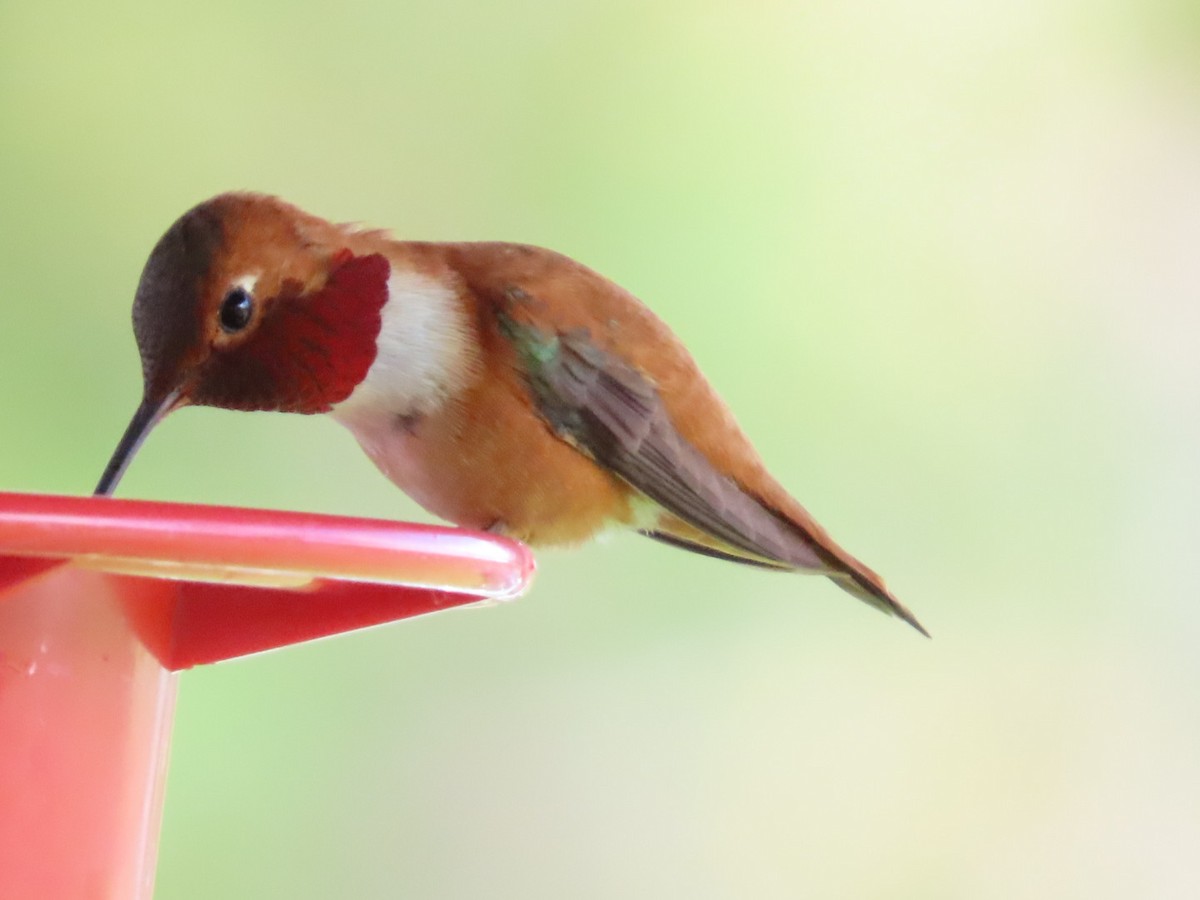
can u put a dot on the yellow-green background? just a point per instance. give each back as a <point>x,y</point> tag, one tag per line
<point>942,259</point>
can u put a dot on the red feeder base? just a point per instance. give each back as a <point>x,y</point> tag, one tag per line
<point>101,601</point>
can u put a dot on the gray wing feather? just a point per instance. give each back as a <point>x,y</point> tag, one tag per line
<point>614,413</point>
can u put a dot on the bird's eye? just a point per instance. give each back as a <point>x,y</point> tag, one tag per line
<point>236,310</point>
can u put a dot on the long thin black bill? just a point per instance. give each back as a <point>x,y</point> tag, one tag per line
<point>148,414</point>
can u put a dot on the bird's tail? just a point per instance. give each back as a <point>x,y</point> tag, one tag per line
<point>861,582</point>
<point>813,550</point>
<point>843,569</point>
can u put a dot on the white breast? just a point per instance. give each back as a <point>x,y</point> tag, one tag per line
<point>424,356</point>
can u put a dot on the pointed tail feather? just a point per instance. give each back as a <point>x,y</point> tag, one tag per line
<point>864,584</point>
<point>842,569</point>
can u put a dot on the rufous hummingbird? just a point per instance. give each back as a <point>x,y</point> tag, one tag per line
<point>504,387</point>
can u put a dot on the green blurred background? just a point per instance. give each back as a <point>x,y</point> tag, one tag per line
<point>942,260</point>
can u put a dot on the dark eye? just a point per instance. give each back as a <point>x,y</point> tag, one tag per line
<point>236,310</point>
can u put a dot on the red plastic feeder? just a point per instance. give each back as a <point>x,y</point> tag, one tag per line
<point>102,601</point>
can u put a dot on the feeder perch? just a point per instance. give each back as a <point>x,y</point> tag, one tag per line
<point>103,601</point>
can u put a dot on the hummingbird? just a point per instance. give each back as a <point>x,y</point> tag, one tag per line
<point>504,387</point>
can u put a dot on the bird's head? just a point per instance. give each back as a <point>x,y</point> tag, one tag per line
<point>249,303</point>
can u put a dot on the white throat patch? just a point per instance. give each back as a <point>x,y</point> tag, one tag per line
<point>422,357</point>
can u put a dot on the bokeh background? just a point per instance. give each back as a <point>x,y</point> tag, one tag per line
<point>941,258</point>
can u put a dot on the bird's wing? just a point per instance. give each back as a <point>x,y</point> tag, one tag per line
<point>613,413</point>
<point>600,392</point>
